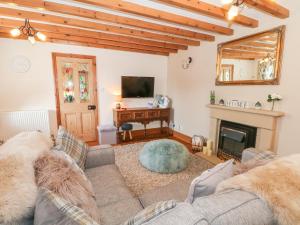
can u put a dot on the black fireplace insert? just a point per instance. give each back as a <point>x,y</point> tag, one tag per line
<point>234,138</point>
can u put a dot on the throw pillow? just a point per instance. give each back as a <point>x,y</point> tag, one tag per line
<point>18,190</point>
<point>74,147</point>
<point>150,212</point>
<point>59,176</point>
<point>52,209</point>
<point>207,182</point>
<point>260,159</point>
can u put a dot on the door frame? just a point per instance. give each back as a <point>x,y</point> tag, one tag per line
<point>55,74</point>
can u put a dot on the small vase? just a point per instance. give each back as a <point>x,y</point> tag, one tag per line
<point>273,105</point>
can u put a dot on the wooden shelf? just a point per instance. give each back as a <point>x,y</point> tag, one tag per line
<point>254,111</point>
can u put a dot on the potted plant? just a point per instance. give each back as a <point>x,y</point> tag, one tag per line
<point>274,98</point>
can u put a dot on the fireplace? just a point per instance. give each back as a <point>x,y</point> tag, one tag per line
<point>234,138</point>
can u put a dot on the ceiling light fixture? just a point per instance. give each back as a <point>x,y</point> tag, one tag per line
<point>29,32</point>
<point>235,8</point>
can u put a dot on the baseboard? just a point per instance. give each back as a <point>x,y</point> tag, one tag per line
<point>182,137</point>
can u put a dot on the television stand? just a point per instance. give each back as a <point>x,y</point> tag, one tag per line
<point>141,115</point>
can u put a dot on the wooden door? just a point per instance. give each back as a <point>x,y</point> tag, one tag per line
<point>76,94</point>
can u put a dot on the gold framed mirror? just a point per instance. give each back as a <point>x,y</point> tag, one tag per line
<point>251,60</point>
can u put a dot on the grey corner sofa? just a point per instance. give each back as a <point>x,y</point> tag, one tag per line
<point>117,203</point>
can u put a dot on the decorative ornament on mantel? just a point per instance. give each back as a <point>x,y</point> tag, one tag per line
<point>274,98</point>
<point>28,31</point>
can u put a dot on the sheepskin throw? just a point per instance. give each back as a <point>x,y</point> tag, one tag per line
<point>74,147</point>
<point>277,182</point>
<point>18,190</point>
<point>28,144</point>
<point>59,176</point>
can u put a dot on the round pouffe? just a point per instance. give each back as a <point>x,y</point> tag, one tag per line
<point>164,156</point>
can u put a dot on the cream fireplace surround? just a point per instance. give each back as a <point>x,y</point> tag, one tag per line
<point>265,121</point>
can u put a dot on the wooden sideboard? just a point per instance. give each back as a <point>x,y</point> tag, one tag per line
<point>141,115</point>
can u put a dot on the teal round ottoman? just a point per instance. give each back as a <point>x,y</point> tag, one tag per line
<point>164,156</point>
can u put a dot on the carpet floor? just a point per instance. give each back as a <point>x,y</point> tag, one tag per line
<point>141,180</point>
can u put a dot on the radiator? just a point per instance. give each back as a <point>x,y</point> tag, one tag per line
<point>12,123</point>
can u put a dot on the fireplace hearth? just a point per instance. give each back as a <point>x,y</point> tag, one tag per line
<point>234,138</point>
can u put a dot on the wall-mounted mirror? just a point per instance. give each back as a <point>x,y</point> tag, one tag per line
<point>254,59</point>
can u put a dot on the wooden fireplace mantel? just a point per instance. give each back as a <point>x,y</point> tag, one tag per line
<point>265,121</point>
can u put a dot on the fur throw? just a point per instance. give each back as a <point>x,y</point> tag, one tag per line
<point>18,190</point>
<point>59,176</point>
<point>28,144</point>
<point>277,182</point>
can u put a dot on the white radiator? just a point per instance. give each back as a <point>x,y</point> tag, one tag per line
<point>12,123</point>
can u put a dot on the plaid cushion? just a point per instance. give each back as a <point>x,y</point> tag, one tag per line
<point>74,147</point>
<point>265,155</point>
<point>150,212</point>
<point>71,212</point>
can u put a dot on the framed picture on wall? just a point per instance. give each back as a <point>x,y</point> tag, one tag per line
<point>227,72</point>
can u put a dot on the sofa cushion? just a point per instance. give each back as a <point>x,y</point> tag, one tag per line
<point>177,191</point>
<point>234,207</point>
<point>117,213</point>
<point>109,185</point>
<point>74,147</point>
<point>115,201</point>
<point>207,182</point>
<point>51,209</point>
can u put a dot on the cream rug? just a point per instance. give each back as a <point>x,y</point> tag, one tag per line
<point>141,180</point>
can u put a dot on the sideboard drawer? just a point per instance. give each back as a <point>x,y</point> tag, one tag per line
<point>139,115</point>
<point>125,116</point>
<point>153,114</point>
<point>164,113</point>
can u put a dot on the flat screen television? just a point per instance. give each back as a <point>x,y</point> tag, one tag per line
<point>137,87</point>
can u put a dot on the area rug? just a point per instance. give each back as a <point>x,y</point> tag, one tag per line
<point>141,180</point>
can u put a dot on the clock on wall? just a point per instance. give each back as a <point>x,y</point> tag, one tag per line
<point>20,64</point>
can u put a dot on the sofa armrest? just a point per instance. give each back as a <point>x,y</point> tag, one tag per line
<point>99,157</point>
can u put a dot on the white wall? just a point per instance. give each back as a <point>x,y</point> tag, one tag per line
<point>34,90</point>
<point>190,88</point>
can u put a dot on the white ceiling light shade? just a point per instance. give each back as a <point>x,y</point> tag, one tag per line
<point>233,12</point>
<point>15,32</point>
<point>41,36</point>
<point>227,2</point>
<point>31,39</point>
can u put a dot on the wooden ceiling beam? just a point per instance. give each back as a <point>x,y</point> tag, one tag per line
<point>140,10</point>
<point>102,16</point>
<point>93,25</point>
<point>210,10</point>
<point>68,37</point>
<point>270,7</point>
<point>104,46</point>
<point>11,23</point>
<point>236,53</point>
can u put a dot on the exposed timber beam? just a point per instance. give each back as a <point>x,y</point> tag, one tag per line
<point>137,9</point>
<point>93,25</point>
<point>102,16</point>
<point>12,23</point>
<point>104,46</point>
<point>270,7</point>
<point>210,10</point>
